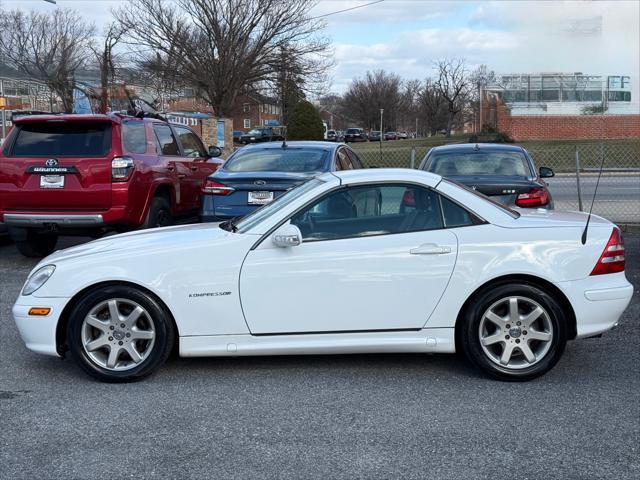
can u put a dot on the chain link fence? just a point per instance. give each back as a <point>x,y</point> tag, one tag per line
<point>575,163</point>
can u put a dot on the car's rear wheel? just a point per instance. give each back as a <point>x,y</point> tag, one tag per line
<point>36,244</point>
<point>514,332</point>
<point>119,334</point>
<point>159,214</point>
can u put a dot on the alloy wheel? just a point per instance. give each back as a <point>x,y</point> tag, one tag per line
<point>516,332</point>
<point>118,334</point>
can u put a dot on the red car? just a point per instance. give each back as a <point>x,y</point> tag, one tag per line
<point>89,174</point>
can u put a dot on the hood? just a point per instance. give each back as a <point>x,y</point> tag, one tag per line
<point>142,240</point>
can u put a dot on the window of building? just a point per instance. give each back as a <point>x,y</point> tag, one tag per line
<point>247,123</point>
<point>246,108</point>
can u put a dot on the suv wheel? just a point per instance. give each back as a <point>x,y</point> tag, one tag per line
<point>159,214</point>
<point>514,332</point>
<point>36,244</point>
<point>119,334</point>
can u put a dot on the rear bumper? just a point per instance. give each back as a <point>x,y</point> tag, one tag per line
<point>39,220</point>
<point>598,302</point>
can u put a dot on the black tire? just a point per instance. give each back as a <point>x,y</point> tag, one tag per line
<point>550,351</point>
<point>37,244</point>
<point>158,353</point>
<point>159,214</point>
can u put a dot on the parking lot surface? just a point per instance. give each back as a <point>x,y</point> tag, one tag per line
<point>363,416</point>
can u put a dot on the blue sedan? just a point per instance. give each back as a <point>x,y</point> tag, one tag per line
<point>257,174</point>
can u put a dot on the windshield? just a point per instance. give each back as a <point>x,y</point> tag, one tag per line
<point>511,164</point>
<point>248,222</point>
<point>294,160</point>
<point>353,130</point>
<point>255,131</point>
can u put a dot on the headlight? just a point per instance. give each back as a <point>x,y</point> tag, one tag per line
<point>38,279</point>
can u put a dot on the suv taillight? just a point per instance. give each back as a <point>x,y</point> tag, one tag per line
<point>536,197</point>
<point>121,168</point>
<point>612,258</point>
<point>214,188</point>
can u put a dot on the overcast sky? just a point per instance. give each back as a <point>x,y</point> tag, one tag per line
<point>405,36</point>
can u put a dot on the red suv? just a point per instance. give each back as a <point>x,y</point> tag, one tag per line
<point>89,174</point>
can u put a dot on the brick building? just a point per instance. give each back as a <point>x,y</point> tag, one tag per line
<point>561,106</point>
<point>255,110</point>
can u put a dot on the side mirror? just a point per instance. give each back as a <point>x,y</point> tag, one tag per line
<point>215,151</point>
<point>546,172</point>
<point>287,236</point>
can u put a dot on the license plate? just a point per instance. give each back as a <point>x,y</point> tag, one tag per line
<point>52,181</point>
<point>259,198</point>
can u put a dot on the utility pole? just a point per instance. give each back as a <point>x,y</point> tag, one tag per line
<point>381,133</point>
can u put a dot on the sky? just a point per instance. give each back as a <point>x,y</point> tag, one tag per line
<point>406,36</point>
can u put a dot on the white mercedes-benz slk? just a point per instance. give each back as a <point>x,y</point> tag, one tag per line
<point>353,262</point>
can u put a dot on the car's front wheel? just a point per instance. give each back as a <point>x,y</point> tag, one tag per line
<point>514,332</point>
<point>119,334</point>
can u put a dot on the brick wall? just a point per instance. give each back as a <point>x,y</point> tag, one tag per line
<point>210,134</point>
<point>566,127</point>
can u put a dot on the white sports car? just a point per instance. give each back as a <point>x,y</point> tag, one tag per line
<point>357,261</point>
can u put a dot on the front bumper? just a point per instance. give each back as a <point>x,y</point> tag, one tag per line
<point>38,333</point>
<point>598,302</point>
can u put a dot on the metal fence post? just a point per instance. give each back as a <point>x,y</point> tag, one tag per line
<point>413,157</point>
<point>578,179</point>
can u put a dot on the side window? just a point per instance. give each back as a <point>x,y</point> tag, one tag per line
<point>355,159</point>
<point>370,210</point>
<point>134,138</point>
<point>343,162</point>
<point>191,144</point>
<point>166,140</point>
<point>454,215</point>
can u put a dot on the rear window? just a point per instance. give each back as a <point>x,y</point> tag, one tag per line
<point>277,160</point>
<point>62,139</point>
<point>511,164</point>
<point>353,130</point>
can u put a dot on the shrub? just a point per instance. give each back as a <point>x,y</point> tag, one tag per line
<point>305,123</point>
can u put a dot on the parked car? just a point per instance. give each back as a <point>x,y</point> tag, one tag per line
<point>403,135</point>
<point>259,135</point>
<point>258,174</point>
<point>89,174</point>
<point>434,267</point>
<point>332,136</point>
<point>374,136</point>
<point>505,173</point>
<point>390,136</point>
<point>237,136</point>
<point>355,135</point>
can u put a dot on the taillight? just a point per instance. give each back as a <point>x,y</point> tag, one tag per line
<point>214,188</point>
<point>121,168</point>
<point>612,258</point>
<point>536,197</point>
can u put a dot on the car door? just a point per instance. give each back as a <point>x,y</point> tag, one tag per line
<point>195,158</point>
<point>359,268</point>
<point>176,165</point>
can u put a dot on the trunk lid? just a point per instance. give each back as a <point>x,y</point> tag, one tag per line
<point>58,164</point>
<point>501,188</point>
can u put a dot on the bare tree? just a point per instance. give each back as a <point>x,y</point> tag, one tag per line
<point>105,59</point>
<point>49,47</point>
<point>453,84</point>
<point>365,97</point>
<point>432,107</point>
<point>223,47</point>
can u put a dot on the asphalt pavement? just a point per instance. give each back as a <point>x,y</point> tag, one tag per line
<point>362,416</point>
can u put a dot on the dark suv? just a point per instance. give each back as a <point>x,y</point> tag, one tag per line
<point>355,135</point>
<point>88,174</point>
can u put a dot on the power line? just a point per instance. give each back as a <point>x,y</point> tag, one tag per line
<point>347,9</point>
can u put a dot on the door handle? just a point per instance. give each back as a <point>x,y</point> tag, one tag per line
<point>171,168</point>
<point>194,168</point>
<point>430,249</point>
